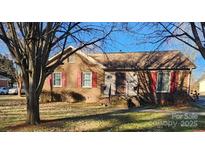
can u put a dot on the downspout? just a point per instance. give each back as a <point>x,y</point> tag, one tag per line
<point>190,73</point>
<point>110,93</point>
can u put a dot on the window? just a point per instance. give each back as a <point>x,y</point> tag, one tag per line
<point>163,82</point>
<point>87,80</point>
<point>57,79</point>
<point>71,58</point>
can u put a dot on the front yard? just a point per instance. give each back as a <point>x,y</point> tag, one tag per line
<point>89,117</point>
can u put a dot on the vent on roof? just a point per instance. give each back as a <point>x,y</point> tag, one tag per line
<point>71,58</point>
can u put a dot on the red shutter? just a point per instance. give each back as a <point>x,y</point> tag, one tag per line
<point>153,81</point>
<point>174,82</point>
<point>94,79</point>
<point>64,79</point>
<point>79,76</point>
<point>50,80</point>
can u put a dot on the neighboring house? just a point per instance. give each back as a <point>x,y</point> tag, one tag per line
<point>201,84</point>
<point>122,74</point>
<point>4,81</point>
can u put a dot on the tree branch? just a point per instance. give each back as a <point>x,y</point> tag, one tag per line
<point>177,37</point>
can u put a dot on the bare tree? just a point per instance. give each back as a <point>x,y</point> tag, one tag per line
<point>189,33</point>
<point>31,45</point>
<point>19,79</point>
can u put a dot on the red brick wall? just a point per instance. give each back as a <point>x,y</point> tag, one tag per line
<point>73,74</point>
<point>3,83</point>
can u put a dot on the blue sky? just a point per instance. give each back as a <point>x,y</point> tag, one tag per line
<point>130,43</point>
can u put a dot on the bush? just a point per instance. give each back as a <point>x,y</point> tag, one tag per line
<point>115,101</point>
<point>56,97</point>
<point>182,98</point>
<point>72,97</point>
<point>45,97</point>
<point>63,96</point>
<point>77,96</point>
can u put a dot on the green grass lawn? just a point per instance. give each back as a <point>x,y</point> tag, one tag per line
<point>11,98</point>
<point>89,117</point>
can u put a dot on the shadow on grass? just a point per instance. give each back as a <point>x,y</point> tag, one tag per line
<point>115,120</point>
<point>120,120</point>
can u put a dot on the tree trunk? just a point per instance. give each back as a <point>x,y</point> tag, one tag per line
<point>33,116</point>
<point>19,81</point>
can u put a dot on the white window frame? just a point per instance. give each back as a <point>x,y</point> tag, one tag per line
<point>61,82</point>
<point>164,91</point>
<point>91,79</point>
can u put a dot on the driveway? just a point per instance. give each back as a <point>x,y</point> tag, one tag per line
<point>201,100</point>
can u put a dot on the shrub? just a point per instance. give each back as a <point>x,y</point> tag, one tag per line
<point>63,96</point>
<point>71,96</point>
<point>56,97</point>
<point>182,98</point>
<point>45,96</point>
<point>115,101</point>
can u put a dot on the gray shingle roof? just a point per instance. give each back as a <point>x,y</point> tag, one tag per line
<point>144,60</point>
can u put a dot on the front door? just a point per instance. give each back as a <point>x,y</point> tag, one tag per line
<point>132,84</point>
<point>120,83</point>
<point>109,83</point>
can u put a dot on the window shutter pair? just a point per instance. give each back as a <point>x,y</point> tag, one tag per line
<point>63,78</point>
<point>173,81</point>
<point>80,78</point>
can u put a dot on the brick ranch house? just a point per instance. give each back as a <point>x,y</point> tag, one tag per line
<point>4,81</point>
<point>157,74</point>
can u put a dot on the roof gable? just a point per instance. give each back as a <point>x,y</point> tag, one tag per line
<point>79,52</point>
